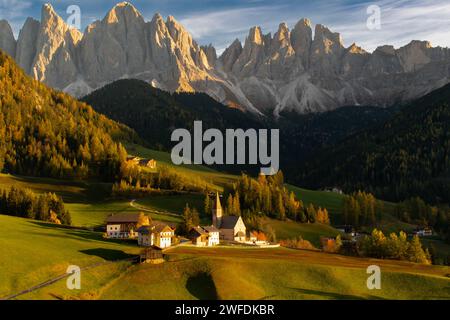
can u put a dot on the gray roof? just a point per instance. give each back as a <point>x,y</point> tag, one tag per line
<point>229,222</point>
<point>210,229</point>
<point>123,218</point>
<point>198,230</point>
<point>153,227</point>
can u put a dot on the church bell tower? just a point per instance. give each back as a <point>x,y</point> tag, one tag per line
<point>217,212</point>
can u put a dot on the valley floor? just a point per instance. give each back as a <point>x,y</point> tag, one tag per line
<point>34,252</point>
<point>42,251</point>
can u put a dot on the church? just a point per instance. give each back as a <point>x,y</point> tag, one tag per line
<point>231,228</point>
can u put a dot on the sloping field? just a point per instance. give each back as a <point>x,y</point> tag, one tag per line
<point>220,273</point>
<point>42,251</point>
<point>33,252</point>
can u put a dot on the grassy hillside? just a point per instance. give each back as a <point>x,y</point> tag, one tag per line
<point>89,202</point>
<point>42,251</point>
<point>275,274</point>
<point>330,200</point>
<point>34,251</point>
<point>215,179</point>
<point>311,232</point>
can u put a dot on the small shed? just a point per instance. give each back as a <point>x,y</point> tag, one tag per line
<point>198,236</point>
<point>152,255</point>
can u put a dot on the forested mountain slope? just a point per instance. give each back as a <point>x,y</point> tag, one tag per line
<point>44,132</point>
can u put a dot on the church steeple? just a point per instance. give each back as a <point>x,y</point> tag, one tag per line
<point>217,212</point>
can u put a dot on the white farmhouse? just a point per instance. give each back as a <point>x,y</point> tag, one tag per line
<point>124,226</point>
<point>156,234</point>
<point>204,236</point>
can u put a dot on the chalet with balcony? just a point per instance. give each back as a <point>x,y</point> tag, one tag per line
<point>124,226</point>
<point>156,234</point>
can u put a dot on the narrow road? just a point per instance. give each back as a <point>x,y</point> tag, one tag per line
<point>62,276</point>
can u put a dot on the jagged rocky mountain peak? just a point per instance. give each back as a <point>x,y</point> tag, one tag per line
<point>295,69</point>
<point>355,49</point>
<point>123,10</point>
<point>255,35</point>
<point>7,40</point>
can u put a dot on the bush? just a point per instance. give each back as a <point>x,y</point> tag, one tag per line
<point>298,243</point>
<point>397,247</point>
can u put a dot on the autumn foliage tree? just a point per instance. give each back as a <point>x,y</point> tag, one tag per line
<point>397,247</point>
<point>44,132</point>
<point>267,196</point>
<point>191,218</point>
<point>360,209</point>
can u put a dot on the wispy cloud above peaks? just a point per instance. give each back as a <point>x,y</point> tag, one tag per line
<point>222,27</point>
<point>221,21</point>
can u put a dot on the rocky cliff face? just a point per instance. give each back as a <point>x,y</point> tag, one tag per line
<point>291,70</point>
<point>7,41</point>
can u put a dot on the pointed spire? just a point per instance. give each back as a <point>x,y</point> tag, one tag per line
<point>217,212</point>
<point>217,205</point>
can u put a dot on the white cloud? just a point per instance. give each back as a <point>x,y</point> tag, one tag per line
<point>222,27</point>
<point>402,22</point>
<point>12,9</point>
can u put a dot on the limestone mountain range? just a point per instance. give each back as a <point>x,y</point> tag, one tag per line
<point>293,70</point>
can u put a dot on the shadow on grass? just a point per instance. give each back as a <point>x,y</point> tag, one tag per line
<point>201,286</point>
<point>86,193</point>
<point>108,254</point>
<point>334,295</point>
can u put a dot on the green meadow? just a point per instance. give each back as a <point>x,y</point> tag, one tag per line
<point>42,251</point>
<point>34,252</point>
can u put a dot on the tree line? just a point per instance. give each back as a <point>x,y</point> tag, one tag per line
<point>267,196</point>
<point>26,204</point>
<point>416,210</point>
<point>140,182</point>
<point>396,247</point>
<point>361,209</point>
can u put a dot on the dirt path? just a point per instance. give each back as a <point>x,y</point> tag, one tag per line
<point>143,208</point>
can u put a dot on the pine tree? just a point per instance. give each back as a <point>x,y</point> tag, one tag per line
<point>311,212</point>
<point>230,209</point>
<point>280,208</point>
<point>416,253</point>
<point>236,204</point>
<point>186,224</point>
<point>195,218</point>
<point>207,205</point>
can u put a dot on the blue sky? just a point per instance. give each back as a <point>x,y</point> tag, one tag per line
<point>221,21</point>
